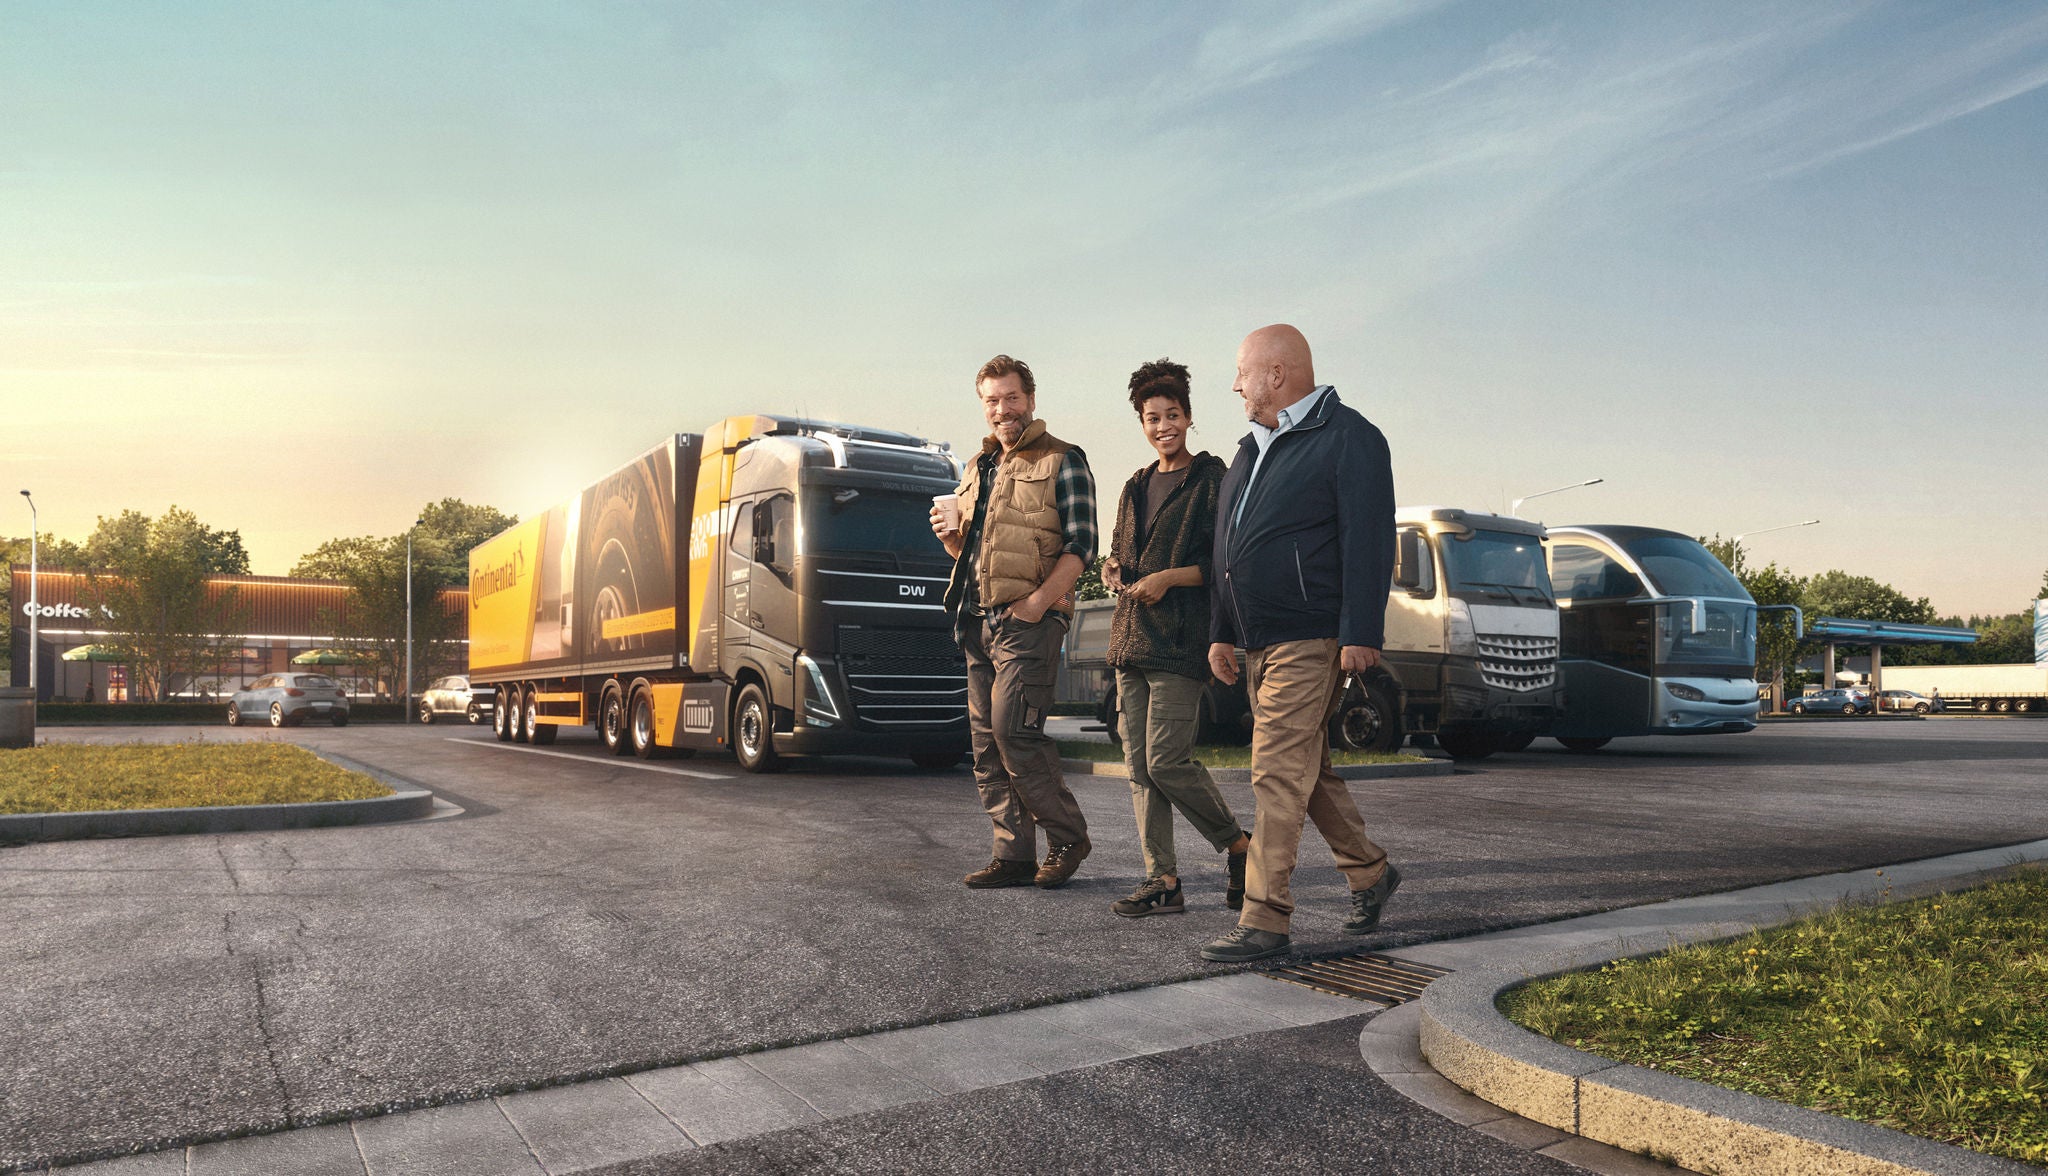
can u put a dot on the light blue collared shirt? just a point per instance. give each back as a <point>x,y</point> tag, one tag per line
<point>1262,436</point>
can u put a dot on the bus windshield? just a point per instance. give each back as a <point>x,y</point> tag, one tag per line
<point>1726,641</point>
<point>1498,564</point>
<point>843,520</point>
<point>1681,567</point>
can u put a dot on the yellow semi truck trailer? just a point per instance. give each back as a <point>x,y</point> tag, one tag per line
<point>771,585</point>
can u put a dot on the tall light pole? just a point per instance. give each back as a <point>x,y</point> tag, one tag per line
<point>1516,505</point>
<point>405,716</point>
<point>1737,540</point>
<point>34,604</point>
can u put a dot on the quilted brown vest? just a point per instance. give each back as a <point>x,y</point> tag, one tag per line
<point>1022,536</point>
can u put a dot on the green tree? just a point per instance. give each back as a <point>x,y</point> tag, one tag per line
<point>1777,650</point>
<point>1089,585</point>
<point>148,577</point>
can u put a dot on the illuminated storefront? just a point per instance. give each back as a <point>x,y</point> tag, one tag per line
<point>286,619</point>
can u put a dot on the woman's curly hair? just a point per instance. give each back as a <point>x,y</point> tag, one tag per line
<point>1161,377</point>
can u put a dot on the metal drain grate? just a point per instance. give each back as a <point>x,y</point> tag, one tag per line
<point>1362,977</point>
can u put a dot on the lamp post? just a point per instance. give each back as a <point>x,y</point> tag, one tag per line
<point>1735,558</point>
<point>405,716</point>
<point>34,604</point>
<point>1516,505</point>
<point>1737,541</point>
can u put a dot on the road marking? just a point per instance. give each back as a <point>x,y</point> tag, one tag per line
<point>614,763</point>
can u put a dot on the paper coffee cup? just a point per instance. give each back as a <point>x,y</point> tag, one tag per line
<point>948,506</point>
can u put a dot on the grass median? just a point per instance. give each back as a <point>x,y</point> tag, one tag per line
<point>1224,755</point>
<point>82,778</point>
<point>1930,1017</point>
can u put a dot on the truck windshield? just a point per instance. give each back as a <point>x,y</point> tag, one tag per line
<point>1500,564</point>
<point>1681,567</point>
<point>844,520</point>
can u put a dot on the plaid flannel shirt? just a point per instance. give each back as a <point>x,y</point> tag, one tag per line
<point>1073,497</point>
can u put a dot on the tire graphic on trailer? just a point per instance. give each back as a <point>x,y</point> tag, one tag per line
<point>631,565</point>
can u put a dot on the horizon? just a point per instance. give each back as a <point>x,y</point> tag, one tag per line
<point>301,271</point>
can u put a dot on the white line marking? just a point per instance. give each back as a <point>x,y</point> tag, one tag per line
<point>609,763</point>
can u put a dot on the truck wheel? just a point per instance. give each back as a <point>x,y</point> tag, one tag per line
<point>1582,746</point>
<point>1467,745</point>
<point>532,730</point>
<point>2005,706</point>
<point>753,731</point>
<point>2024,706</point>
<point>1367,721</point>
<point>1983,706</point>
<point>1519,742</point>
<point>501,716</point>
<point>611,723</point>
<point>640,726</point>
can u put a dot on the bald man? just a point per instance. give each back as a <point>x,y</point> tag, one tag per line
<point>1304,555</point>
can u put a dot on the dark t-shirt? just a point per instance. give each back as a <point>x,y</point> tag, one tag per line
<point>1158,488</point>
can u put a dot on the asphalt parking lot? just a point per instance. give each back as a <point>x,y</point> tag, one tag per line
<point>588,916</point>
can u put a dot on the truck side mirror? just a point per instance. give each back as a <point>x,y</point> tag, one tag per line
<point>1412,565</point>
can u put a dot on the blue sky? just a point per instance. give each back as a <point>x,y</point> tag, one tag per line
<point>303,267</point>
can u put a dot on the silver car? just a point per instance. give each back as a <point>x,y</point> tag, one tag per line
<point>450,697</point>
<point>284,700</point>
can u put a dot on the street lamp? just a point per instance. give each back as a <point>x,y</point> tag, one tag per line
<point>1767,530</point>
<point>34,604</point>
<point>405,716</point>
<point>1516,505</point>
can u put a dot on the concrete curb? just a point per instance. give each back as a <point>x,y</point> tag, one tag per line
<point>1464,1037</point>
<point>1120,771</point>
<point>407,802</point>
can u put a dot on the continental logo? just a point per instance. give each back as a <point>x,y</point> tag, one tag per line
<point>491,580</point>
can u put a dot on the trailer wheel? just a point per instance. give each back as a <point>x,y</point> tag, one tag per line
<point>501,715</point>
<point>2024,705</point>
<point>532,730</point>
<point>640,726</point>
<point>611,723</point>
<point>1367,720</point>
<point>1582,746</point>
<point>753,731</point>
<point>1983,706</point>
<point>2005,706</point>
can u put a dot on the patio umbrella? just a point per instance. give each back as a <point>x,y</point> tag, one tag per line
<point>326,657</point>
<point>99,653</point>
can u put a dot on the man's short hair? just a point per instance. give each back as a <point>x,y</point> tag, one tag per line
<point>1161,377</point>
<point>1003,365</point>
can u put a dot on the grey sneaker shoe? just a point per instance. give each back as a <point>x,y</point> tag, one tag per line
<point>1154,897</point>
<point>1366,904</point>
<point>1246,943</point>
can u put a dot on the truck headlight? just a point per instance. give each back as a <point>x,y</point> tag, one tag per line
<point>1688,693</point>
<point>1460,640</point>
<point>818,699</point>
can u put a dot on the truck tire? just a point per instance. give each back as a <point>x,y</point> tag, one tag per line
<point>1983,706</point>
<point>1582,746</point>
<point>1367,719</point>
<point>611,723</point>
<point>753,731</point>
<point>1467,745</point>
<point>2005,706</point>
<point>501,716</point>
<point>2024,706</point>
<point>1519,742</point>
<point>517,702</point>
<point>531,728</point>
<point>640,726</point>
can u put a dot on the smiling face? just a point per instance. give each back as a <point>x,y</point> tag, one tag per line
<point>1006,406</point>
<point>1166,426</point>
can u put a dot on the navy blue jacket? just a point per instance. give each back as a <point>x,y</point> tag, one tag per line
<point>1313,555</point>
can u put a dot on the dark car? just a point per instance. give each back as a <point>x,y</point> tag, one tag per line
<point>285,700</point>
<point>1832,702</point>
<point>451,697</point>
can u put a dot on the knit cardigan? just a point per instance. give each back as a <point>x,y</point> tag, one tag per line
<point>1172,635</point>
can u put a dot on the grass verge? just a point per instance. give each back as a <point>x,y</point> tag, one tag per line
<point>82,778</point>
<point>1930,1017</point>
<point>1223,755</point>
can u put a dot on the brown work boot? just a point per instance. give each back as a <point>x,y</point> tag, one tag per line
<point>1060,863</point>
<point>1000,872</point>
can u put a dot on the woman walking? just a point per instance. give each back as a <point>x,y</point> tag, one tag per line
<point>1159,641</point>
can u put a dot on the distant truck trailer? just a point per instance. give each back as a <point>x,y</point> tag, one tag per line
<point>2003,689</point>
<point>771,585</point>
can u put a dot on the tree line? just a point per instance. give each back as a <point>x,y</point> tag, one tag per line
<point>147,579</point>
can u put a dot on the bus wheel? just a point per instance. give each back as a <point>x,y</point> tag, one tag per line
<point>611,723</point>
<point>753,731</point>
<point>1467,745</point>
<point>1582,746</point>
<point>1367,721</point>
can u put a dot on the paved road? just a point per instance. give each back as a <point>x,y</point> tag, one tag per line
<point>586,917</point>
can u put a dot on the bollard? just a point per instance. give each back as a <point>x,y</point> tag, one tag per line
<point>17,716</point>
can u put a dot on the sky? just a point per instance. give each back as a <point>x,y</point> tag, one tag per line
<point>302,268</point>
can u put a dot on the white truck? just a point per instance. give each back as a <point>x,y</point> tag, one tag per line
<point>2007,689</point>
<point>1471,646</point>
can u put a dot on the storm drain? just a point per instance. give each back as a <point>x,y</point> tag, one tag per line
<point>1362,977</point>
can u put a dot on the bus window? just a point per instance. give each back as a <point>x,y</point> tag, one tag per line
<point>1587,573</point>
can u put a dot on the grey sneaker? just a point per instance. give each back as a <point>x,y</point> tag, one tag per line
<point>1154,897</point>
<point>1366,904</point>
<point>1246,943</point>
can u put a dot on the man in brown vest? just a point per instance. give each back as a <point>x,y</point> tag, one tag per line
<point>1025,533</point>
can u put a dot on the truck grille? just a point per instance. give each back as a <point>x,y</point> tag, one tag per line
<point>1520,664</point>
<point>904,677</point>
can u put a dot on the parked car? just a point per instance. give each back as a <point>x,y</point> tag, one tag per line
<point>1829,702</point>
<point>284,700</point>
<point>452,696</point>
<point>1909,700</point>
